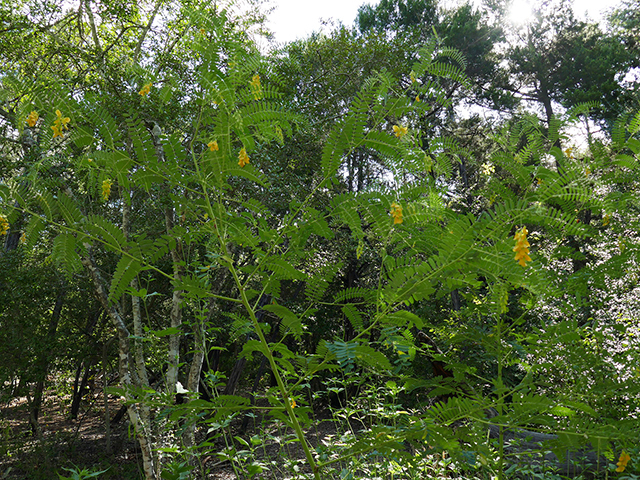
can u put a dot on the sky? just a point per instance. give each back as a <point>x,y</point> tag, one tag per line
<point>293,19</point>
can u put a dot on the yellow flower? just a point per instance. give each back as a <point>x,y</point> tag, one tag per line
<point>293,403</point>
<point>569,152</point>
<point>488,169</point>
<point>400,131</point>
<point>213,146</point>
<point>59,124</point>
<point>587,172</point>
<point>417,98</point>
<point>606,219</point>
<point>23,238</point>
<point>412,76</point>
<point>145,89</point>
<point>622,462</point>
<point>256,87</point>
<point>4,225</point>
<point>106,189</point>
<point>62,121</point>
<point>32,119</point>
<point>522,247</point>
<point>396,213</point>
<point>243,158</point>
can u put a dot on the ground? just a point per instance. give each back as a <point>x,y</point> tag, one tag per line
<point>81,443</point>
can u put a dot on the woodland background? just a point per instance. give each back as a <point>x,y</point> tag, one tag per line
<point>421,230</point>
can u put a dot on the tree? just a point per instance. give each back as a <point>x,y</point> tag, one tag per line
<point>175,199</point>
<point>563,60</point>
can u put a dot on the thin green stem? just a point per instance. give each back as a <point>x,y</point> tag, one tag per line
<point>276,373</point>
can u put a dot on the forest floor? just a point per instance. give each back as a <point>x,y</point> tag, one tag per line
<point>81,443</point>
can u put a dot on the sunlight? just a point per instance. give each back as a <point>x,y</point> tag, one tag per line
<point>520,11</point>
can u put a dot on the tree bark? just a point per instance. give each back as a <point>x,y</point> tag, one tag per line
<point>125,366</point>
<point>43,362</point>
<point>79,390</point>
<point>140,376</point>
<point>532,449</point>
<point>176,305</point>
<point>105,385</point>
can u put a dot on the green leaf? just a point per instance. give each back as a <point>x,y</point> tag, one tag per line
<point>126,270</point>
<point>372,358</point>
<point>290,320</point>
<point>403,318</point>
<point>65,254</point>
<point>626,161</point>
<point>562,411</point>
<point>167,331</point>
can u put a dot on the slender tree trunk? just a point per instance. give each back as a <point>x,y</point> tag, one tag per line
<point>145,31</point>
<point>105,395</point>
<point>43,362</point>
<point>125,366</point>
<point>139,369</point>
<point>80,386</point>
<point>193,380</point>
<point>176,305</point>
<point>234,376</point>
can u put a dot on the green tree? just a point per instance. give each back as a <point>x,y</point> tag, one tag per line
<point>561,60</point>
<point>181,218</point>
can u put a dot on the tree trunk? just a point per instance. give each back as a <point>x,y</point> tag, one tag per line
<point>105,385</point>
<point>137,364</point>
<point>532,449</point>
<point>43,362</point>
<point>125,366</point>
<point>79,390</point>
<point>193,380</point>
<point>234,376</point>
<point>176,307</point>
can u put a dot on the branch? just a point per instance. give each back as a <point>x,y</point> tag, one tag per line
<point>92,23</point>
<point>145,31</point>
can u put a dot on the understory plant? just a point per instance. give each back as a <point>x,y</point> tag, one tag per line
<point>182,213</point>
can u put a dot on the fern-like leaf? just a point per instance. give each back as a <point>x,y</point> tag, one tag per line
<point>126,270</point>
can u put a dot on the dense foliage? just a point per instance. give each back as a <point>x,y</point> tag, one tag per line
<point>328,229</point>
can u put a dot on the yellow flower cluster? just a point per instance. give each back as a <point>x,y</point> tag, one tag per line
<point>396,213</point>
<point>522,247</point>
<point>213,146</point>
<point>145,89</point>
<point>400,131</point>
<point>59,124</point>
<point>256,87</point>
<point>4,225</point>
<point>106,189</point>
<point>243,158</point>
<point>32,119</point>
<point>487,169</point>
<point>622,462</point>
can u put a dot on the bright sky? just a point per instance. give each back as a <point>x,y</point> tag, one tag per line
<point>295,19</point>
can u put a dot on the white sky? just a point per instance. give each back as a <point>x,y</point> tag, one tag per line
<point>295,19</point>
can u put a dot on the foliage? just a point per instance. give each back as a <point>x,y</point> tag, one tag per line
<point>172,204</point>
